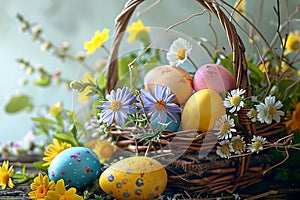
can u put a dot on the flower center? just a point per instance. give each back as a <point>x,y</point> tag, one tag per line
<point>235,100</point>
<point>272,110</point>
<point>225,149</point>
<point>181,53</point>
<point>253,112</point>
<point>5,178</point>
<point>257,144</point>
<point>296,45</point>
<point>41,191</point>
<point>224,129</point>
<point>64,197</point>
<point>160,105</point>
<point>115,105</point>
<point>237,145</point>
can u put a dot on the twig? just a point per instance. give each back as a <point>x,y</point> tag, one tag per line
<point>161,34</point>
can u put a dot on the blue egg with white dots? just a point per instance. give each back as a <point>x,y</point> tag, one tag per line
<point>77,166</point>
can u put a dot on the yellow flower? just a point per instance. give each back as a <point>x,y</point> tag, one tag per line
<point>60,192</point>
<point>104,150</point>
<point>54,149</point>
<point>83,96</point>
<point>6,175</point>
<point>40,187</point>
<point>294,124</point>
<point>135,29</point>
<point>97,41</point>
<point>55,109</point>
<point>240,6</point>
<point>298,73</point>
<point>293,42</point>
<point>262,67</point>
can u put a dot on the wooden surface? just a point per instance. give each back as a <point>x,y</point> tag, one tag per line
<point>268,189</point>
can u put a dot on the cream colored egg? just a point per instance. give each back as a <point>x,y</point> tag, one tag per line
<point>179,81</point>
<point>137,177</point>
<point>202,110</point>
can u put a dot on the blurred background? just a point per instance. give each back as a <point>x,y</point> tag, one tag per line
<point>75,21</point>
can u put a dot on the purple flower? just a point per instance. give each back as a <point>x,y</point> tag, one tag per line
<point>161,104</point>
<point>118,105</point>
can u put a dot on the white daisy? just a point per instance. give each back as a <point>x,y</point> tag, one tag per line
<point>268,111</point>
<point>224,149</point>
<point>252,114</point>
<point>257,144</point>
<point>234,100</point>
<point>179,51</point>
<point>238,145</point>
<point>224,127</point>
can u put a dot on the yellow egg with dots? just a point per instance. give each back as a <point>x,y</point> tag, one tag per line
<point>202,110</point>
<point>136,177</point>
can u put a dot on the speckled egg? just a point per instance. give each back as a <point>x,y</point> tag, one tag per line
<point>137,177</point>
<point>202,110</point>
<point>77,166</point>
<point>177,79</point>
<point>215,77</point>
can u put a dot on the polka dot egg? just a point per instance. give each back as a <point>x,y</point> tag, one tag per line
<point>77,166</point>
<point>137,177</point>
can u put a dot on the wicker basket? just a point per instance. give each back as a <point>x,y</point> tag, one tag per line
<point>211,174</point>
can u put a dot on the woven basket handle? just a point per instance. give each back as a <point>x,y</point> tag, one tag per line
<point>236,44</point>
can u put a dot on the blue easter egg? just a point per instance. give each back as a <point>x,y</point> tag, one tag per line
<point>173,126</point>
<point>77,166</point>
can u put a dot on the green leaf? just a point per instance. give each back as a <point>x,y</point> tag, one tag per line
<point>69,138</point>
<point>43,80</point>
<point>284,85</point>
<point>227,63</point>
<point>101,81</point>
<point>18,103</point>
<point>123,65</point>
<point>19,176</point>
<point>256,74</point>
<point>43,120</point>
<point>39,165</point>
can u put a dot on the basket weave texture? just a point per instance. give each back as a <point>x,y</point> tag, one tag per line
<point>209,174</point>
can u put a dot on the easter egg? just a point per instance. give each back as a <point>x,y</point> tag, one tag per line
<point>77,166</point>
<point>177,79</point>
<point>202,110</point>
<point>137,177</point>
<point>172,125</point>
<point>215,77</point>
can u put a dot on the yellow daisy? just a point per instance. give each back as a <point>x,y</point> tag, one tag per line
<point>60,192</point>
<point>83,95</point>
<point>298,73</point>
<point>104,150</point>
<point>40,187</point>
<point>97,41</point>
<point>6,175</point>
<point>294,124</point>
<point>55,109</point>
<point>293,42</point>
<point>135,29</point>
<point>264,67</point>
<point>54,149</point>
<point>240,6</point>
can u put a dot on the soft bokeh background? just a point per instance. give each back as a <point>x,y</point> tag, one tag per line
<point>75,21</point>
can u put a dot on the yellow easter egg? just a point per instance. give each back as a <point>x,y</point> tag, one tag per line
<point>177,79</point>
<point>137,177</point>
<point>202,110</point>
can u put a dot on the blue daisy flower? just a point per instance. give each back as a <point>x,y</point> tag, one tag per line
<point>118,105</point>
<point>161,104</point>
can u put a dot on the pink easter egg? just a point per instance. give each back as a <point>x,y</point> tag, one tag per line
<point>214,77</point>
